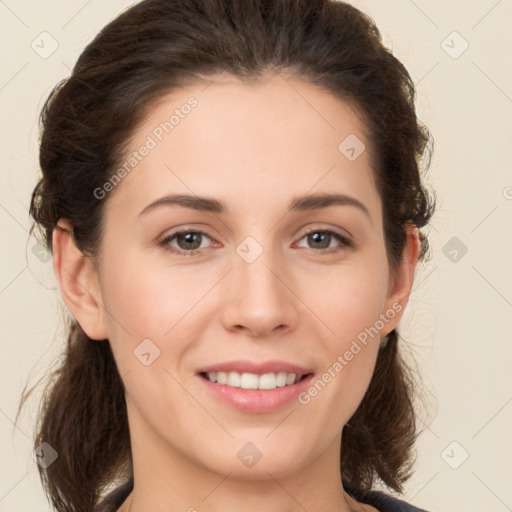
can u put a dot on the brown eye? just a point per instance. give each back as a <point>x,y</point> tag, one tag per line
<point>321,239</point>
<point>188,242</point>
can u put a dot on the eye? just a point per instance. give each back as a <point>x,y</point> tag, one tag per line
<point>321,239</point>
<point>188,241</point>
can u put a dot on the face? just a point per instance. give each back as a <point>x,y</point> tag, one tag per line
<point>249,275</point>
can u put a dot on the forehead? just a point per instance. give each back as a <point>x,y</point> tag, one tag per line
<point>271,138</point>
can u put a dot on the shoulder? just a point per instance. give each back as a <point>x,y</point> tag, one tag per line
<point>383,502</point>
<point>115,499</point>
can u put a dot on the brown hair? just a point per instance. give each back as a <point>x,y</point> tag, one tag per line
<point>86,123</point>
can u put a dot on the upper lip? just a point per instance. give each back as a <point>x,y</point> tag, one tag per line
<point>258,368</point>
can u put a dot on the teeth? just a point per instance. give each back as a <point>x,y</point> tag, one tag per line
<point>233,379</point>
<point>281,379</point>
<point>249,381</point>
<point>290,379</point>
<point>253,381</point>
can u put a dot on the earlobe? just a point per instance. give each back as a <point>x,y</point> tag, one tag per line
<point>403,277</point>
<point>78,282</point>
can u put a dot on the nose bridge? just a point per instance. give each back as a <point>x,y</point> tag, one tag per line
<point>256,271</point>
<point>259,298</point>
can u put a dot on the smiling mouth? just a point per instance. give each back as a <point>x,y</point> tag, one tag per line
<point>266,381</point>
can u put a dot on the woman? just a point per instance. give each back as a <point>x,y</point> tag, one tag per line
<point>232,195</point>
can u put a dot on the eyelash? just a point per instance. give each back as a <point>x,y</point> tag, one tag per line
<point>346,243</point>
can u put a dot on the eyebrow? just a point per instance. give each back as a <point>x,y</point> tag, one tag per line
<point>301,203</point>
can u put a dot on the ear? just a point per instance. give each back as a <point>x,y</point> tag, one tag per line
<point>79,283</point>
<point>401,280</point>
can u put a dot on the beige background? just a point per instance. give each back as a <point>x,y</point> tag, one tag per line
<point>458,323</point>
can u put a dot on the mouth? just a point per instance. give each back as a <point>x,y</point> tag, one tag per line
<point>246,380</point>
<point>255,387</point>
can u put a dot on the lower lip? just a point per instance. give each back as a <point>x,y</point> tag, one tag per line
<point>257,400</point>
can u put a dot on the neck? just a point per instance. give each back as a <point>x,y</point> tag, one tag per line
<point>165,479</point>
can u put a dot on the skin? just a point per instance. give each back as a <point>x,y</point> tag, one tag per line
<point>255,147</point>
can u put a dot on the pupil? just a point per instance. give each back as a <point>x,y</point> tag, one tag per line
<point>189,239</point>
<point>316,236</point>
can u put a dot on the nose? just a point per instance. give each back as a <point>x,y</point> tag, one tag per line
<point>258,298</point>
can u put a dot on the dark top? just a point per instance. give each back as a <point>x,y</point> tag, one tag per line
<point>379,500</point>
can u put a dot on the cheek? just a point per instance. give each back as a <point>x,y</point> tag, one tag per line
<point>350,307</point>
<point>160,303</point>
<point>148,298</point>
<point>350,302</point>
<point>348,298</point>
<point>138,305</point>
<point>354,305</point>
